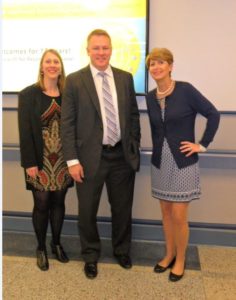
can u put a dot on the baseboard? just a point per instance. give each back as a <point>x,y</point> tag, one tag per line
<point>208,234</point>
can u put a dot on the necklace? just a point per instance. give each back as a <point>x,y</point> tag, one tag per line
<point>167,90</point>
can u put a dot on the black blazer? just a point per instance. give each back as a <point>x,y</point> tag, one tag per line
<point>82,127</point>
<point>30,128</point>
<point>181,109</point>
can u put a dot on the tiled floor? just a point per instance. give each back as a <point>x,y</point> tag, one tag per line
<point>210,274</point>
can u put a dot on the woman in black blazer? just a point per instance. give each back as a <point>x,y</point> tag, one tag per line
<point>172,108</point>
<point>46,173</point>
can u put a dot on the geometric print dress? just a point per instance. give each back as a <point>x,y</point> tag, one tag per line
<point>54,175</point>
<point>171,183</point>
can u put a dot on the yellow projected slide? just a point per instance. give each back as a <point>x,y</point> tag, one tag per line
<point>32,9</point>
<point>30,26</point>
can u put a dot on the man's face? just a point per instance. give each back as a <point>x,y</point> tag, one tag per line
<point>99,50</point>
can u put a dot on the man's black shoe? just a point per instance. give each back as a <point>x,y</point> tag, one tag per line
<point>124,261</point>
<point>90,270</point>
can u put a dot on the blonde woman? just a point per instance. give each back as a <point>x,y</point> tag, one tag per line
<point>46,173</point>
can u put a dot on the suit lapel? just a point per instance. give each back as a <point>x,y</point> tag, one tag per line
<point>120,96</point>
<point>90,86</point>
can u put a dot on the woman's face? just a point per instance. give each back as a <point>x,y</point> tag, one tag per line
<point>160,69</point>
<point>51,66</point>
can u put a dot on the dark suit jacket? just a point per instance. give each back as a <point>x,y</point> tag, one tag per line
<point>30,128</point>
<point>82,127</point>
<point>181,109</point>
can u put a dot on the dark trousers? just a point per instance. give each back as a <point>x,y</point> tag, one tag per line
<point>119,178</point>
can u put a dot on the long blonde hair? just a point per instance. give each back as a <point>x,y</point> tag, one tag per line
<point>61,77</point>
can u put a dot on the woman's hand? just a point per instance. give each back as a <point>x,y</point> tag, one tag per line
<point>189,148</point>
<point>32,171</point>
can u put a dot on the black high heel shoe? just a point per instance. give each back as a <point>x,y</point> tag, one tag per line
<point>59,253</point>
<point>160,269</point>
<point>42,260</point>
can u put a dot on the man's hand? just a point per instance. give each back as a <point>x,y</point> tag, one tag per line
<point>77,172</point>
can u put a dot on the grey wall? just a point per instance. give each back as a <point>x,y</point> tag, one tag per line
<point>218,174</point>
<point>201,35</point>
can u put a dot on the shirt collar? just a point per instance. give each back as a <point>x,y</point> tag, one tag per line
<point>95,71</point>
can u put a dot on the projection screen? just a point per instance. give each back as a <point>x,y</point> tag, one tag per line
<point>31,26</point>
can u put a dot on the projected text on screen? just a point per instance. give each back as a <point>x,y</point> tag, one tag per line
<point>31,26</point>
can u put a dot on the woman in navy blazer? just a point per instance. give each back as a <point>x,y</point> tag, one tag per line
<point>46,172</point>
<point>172,108</point>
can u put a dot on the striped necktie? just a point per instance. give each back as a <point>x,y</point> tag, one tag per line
<point>110,113</point>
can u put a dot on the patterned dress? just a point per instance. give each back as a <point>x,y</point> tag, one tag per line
<point>54,174</point>
<point>171,183</point>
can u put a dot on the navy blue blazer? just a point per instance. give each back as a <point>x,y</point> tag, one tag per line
<point>182,106</point>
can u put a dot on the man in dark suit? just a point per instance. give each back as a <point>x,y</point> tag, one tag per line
<point>100,137</point>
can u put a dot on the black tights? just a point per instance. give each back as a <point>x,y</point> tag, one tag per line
<point>48,205</point>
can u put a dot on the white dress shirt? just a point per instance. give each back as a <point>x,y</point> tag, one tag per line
<point>98,84</point>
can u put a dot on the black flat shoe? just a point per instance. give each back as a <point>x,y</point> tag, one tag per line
<point>160,269</point>
<point>59,253</point>
<point>124,261</point>
<point>42,260</point>
<point>174,277</point>
<point>90,270</point>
